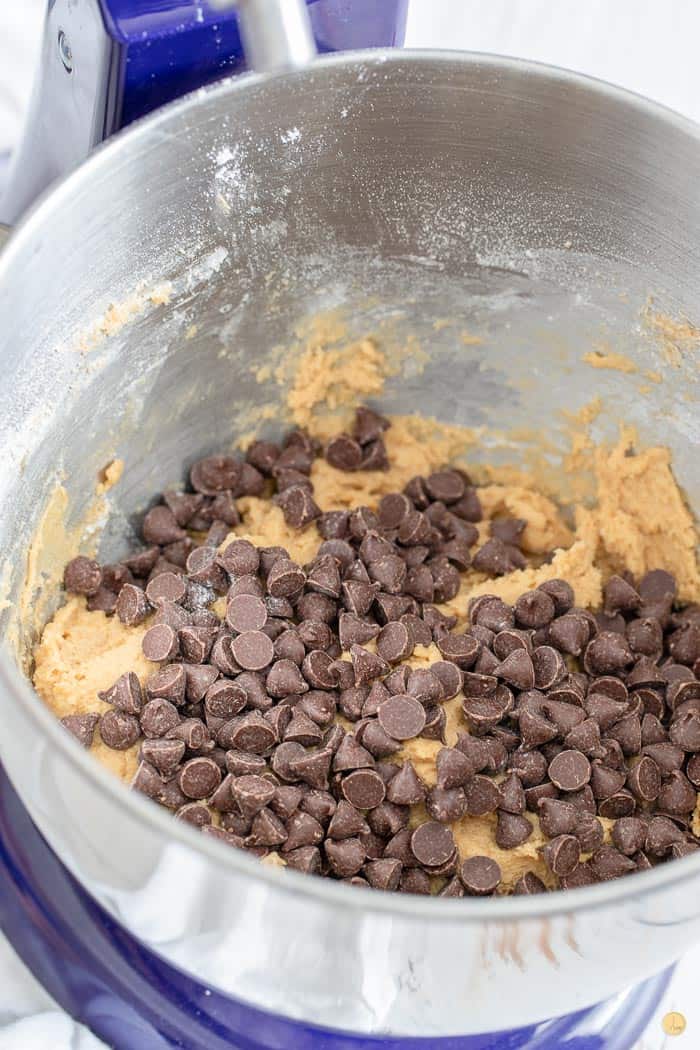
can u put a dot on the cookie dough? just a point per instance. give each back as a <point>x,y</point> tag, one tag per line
<point>640,522</point>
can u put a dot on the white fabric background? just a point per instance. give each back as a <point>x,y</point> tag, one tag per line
<point>649,46</point>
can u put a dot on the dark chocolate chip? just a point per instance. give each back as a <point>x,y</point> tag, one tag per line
<point>644,780</point>
<point>345,857</point>
<point>570,770</point>
<point>480,876</point>
<point>132,606</point>
<point>482,796</point>
<point>82,575</point>
<point>432,844</point>
<point>529,883</point>
<point>402,717</point>
<point>82,727</point>
<point>119,730</point>
<point>562,854</point>
<point>160,643</point>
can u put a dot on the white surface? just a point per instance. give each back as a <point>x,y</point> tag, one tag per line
<point>649,47</point>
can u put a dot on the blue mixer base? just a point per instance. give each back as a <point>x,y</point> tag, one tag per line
<point>134,1000</point>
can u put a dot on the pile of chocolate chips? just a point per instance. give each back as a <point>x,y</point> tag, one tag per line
<point>567,715</point>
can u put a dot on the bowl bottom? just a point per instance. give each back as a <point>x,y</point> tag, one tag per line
<point>134,1000</point>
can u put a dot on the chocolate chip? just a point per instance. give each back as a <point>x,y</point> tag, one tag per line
<point>653,732</point>
<point>645,636</point>
<point>677,796</point>
<point>548,665</point>
<point>199,777</point>
<point>512,798</point>
<point>142,562</point>
<point>482,796</point>
<point>239,558</point>
<point>298,506</point>
<point>172,615</point>
<point>657,585</point>
<point>346,857</point>
<point>497,558</point>
<point>366,666</point>
<point>284,678</point>
<point>215,474</point>
<point>629,835</point>
<point>364,788</point>
<point>608,653</point>
<point>320,804</point>
<point>125,694</point>
<point>667,756</point>
<point>203,567</point>
<point>608,863</point>
<point>82,576</point>
<point>644,780</point>
<point>252,794</point>
<point>82,727</point>
<point>352,630</point>
<point>446,804</point>
<point>432,844</point>
<point>662,834</point>
<point>517,669</point>
<point>119,730</point>
<point>377,741</point>
<point>383,873</point>
<point>263,455</point>
<point>604,710</point>
<point>285,579</point>
<point>302,830</point>
<point>406,788</point>
<point>160,526</point>
<point>620,596</point>
<point>447,486</point>
<point>158,717</point>
<point>104,601</point>
<point>252,733</point>
<point>402,717</point>
<point>254,651</point>
<point>160,643</point>
<point>132,606</point>
<point>480,876</point>
<point>343,452</point>
<point>684,644</point>
<point>195,643</point>
<point>557,817</point>
<point>570,770</point>
<point>166,587</point>
<point>512,830</point>
<point>459,649</point>
<point>164,755</point>
<point>562,854</point>
<point>534,609</point>
<point>621,804</point>
<point>468,508</point>
<point>685,731</point>
<point>569,633</point>
<point>628,733</point>
<point>347,822</point>
<point>693,770</point>
<point>306,859</point>
<point>529,883</point>
<point>369,425</point>
<point>394,642</point>
<point>454,768</point>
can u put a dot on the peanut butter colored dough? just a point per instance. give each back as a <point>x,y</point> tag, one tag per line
<point>640,521</point>
<point>81,653</point>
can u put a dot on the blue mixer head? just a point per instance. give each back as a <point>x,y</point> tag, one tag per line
<point>107,62</point>
<point>169,47</point>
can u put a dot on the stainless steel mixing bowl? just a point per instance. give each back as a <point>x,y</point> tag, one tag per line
<point>530,206</point>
